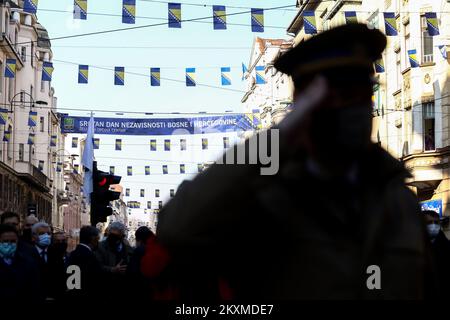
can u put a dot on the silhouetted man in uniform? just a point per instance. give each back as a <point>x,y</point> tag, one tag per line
<point>337,206</point>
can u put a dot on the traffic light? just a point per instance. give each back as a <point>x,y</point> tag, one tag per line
<point>102,195</point>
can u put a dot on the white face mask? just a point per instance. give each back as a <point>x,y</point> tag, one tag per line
<point>433,230</point>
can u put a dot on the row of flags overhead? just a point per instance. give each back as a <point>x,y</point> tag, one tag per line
<point>11,66</point>
<point>155,75</point>
<point>153,144</point>
<point>165,169</point>
<point>137,205</point>
<point>174,14</point>
<point>157,193</point>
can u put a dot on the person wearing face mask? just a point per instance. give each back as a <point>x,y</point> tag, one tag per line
<point>337,206</point>
<point>440,255</point>
<point>41,235</point>
<point>114,254</point>
<point>19,275</point>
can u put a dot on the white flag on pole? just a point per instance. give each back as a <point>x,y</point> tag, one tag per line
<point>88,160</point>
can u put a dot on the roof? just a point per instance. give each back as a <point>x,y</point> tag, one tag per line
<point>43,37</point>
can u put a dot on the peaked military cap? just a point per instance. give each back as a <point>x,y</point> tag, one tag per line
<point>352,45</point>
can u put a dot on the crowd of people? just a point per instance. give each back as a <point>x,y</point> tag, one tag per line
<point>34,261</point>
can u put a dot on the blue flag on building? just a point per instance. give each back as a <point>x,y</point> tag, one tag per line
<point>129,11</point>
<point>350,17</point>
<point>10,68</point>
<point>225,76</point>
<point>147,170</point>
<point>182,168</point>
<point>166,145</point>
<point>183,144</point>
<point>432,24</point>
<point>226,142</point>
<point>83,73</point>
<point>204,144</point>
<point>31,138</point>
<point>379,66</point>
<point>219,18</point>
<point>74,142</point>
<point>412,54</point>
<point>118,144</point>
<point>142,193</point>
<point>30,6</point>
<point>129,170</point>
<point>127,192</point>
<point>390,24</point>
<point>96,143</point>
<point>76,168</point>
<point>80,9</point>
<point>260,75</point>
<point>112,170</point>
<point>47,71</point>
<point>257,16</point>
<point>309,21</point>
<point>165,169</point>
<point>32,119</point>
<point>53,140</point>
<point>3,116</point>
<point>6,136</point>
<point>190,77</point>
<point>59,166</point>
<point>119,76</point>
<point>152,145</point>
<point>155,77</point>
<point>174,15</point>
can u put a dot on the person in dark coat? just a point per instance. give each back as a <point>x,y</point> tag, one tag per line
<point>57,259</point>
<point>92,275</point>
<point>440,256</point>
<point>335,204</point>
<point>19,273</point>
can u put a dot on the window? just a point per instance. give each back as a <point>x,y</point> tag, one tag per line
<point>428,126</point>
<point>23,53</point>
<point>21,151</point>
<point>42,124</point>
<point>31,91</point>
<point>10,149</point>
<point>22,96</point>
<point>32,54</point>
<point>1,77</point>
<point>398,70</point>
<point>427,43</point>
<point>42,85</point>
<point>10,88</point>
<point>407,44</point>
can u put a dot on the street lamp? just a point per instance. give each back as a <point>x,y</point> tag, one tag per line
<point>32,101</point>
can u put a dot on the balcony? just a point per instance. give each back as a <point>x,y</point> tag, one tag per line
<point>33,175</point>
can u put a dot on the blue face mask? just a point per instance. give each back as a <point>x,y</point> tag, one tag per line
<point>44,240</point>
<point>7,250</point>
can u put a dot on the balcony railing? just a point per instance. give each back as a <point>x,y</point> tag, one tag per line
<point>427,58</point>
<point>28,171</point>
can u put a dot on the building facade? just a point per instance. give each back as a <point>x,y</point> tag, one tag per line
<point>271,98</point>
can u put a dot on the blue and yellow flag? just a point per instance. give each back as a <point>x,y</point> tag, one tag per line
<point>127,192</point>
<point>112,170</point>
<point>412,54</point>
<point>10,68</point>
<point>3,116</point>
<point>32,119</point>
<point>309,21</point>
<point>165,169</point>
<point>41,165</point>
<point>149,204</point>
<point>147,170</point>
<point>118,144</point>
<point>200,167</point>
<point>182,144</point>
<point>96,143</point>
<point>47,71</point>
<point>129,11</point>
<point>182,168</point>
<point>260,75</point>
<point>155,77</point>
<point>142,193</point>
<point>53,140</point>
<point>129,170</point>
<point>166,145</point>
<point>204,144</point>
<point>390,24</point>
<point>350,17</point>
<point>119,76</point>
<point>379,66</point>
<point>31,138</point>
<point>257,119</point>
<point>190,77</point>
<point>74,142</point>
<point>6,136</point>
<point>225,74</point>
<point>76,167</point>
<point>59,166</point>
<point>226,142</point>
<point>83,73</point>
<point>152,145</point>
<point>257,20</point>
<point>30,6</point>
<point>80,9</point>
<point>432,24</point>
<point>157,193</point>
<point>219,18</point>
<point>174,15</point>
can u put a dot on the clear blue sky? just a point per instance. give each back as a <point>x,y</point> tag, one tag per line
<point>137,94</point>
